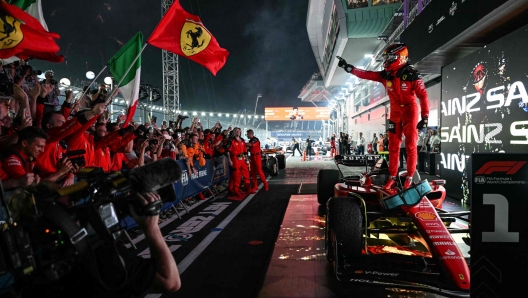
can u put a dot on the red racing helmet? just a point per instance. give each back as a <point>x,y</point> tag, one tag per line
<point>396,56</point>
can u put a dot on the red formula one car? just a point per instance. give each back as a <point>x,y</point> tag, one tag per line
<point>391,238</point>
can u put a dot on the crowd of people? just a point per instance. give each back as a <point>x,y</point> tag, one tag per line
<point>44,142</point>
<point>428,141</point>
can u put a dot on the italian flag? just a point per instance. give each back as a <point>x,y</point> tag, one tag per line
<point>119,65</point>
<point>33,8</point>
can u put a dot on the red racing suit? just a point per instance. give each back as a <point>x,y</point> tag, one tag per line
<point>256,161</point>
<point>240,168</point>
<point>402,89</point>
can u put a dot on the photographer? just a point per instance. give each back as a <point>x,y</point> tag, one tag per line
<point>158,274</point>
<point>20,159</point>
<point>53,96</point>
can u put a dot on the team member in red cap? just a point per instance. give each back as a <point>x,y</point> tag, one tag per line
<point>403,84</point>
<point>253,145</point>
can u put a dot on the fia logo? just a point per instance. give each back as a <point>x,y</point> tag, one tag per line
<point>184,178</point>
<point>480,180</point>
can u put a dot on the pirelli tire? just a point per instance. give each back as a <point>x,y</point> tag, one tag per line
<point>273,166</point>
<point>345,224</point>
<point>281,161</point>
<point>326,181</point>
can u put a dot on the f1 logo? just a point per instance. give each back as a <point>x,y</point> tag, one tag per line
<point>507,167</point>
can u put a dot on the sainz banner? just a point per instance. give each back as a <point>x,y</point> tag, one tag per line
<point>484,107</point>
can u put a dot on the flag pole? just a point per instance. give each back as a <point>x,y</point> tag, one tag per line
<point>93,81</point>
<point>116,86</point>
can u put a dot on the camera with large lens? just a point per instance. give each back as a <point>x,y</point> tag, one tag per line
<point>43,240</point>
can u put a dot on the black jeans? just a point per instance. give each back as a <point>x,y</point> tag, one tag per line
<point>296,146</point>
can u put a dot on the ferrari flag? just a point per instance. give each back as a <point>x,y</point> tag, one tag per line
<point>24,36</point>
<point>184,34</point>
<point>119,64</point>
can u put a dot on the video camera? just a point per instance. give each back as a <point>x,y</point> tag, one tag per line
<point>43,239</point>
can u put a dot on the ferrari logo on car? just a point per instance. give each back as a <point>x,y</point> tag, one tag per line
<point>461,276</point>
<point>426,216</point>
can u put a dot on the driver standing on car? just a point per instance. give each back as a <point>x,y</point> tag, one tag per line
<point>403,84</point>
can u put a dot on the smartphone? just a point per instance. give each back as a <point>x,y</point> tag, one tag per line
<point>154,118</point>
<point>26,113</point>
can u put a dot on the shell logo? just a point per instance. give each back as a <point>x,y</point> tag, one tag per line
<point>425,216</point>
<point>389,84</point>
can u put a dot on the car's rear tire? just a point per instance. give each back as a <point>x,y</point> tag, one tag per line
<point>326,181</point>
<point>281,160</point>
<point>344,229</point>
<point>272,166</point>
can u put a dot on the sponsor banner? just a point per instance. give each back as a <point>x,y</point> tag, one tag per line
<point>441,21</point>
<point>187,186</point>
<point>484,109</point>
<point>499,231</point>
<point>191,184</point>
<point>297,113</point>
<point>220,169</point>
<point>287,135</point>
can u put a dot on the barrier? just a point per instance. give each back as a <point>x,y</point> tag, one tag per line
<point>215,171</point>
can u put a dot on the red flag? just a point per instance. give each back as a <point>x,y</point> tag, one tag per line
<point>23,36</point>
<point>184,34</point>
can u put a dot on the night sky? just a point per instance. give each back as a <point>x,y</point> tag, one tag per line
<point>267,40</point>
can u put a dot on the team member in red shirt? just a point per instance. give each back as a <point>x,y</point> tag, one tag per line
<point>21,158</point>
<point>403,84</point>
<point>237,162</point>
<point>253,145</point>
<point>57,128</point>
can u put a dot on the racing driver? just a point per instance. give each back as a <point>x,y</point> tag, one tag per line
<point>403,84</point>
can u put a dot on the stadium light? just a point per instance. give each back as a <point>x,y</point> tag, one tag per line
<point>203,114</point>
<point>194,113</point>
<point>185,113</point>
<point>249,116</point>
<point>90,75</point>
<point>116,100</point>
<point>64,82</point>
<point>219,114</point>
<point>227,115</point>
<point>108,80</point>
<point>211,114</point>
<point>235,115</point>
<point>262,117</point>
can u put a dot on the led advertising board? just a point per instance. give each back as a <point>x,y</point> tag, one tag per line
<point>484,107</point>
<point>297,113</point>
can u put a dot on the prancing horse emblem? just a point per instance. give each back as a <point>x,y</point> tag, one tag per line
<point>10,33</point>
<point>194,38</point>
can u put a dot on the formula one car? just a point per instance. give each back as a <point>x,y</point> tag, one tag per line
<point>392,238</point>
<point>273,161</point>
